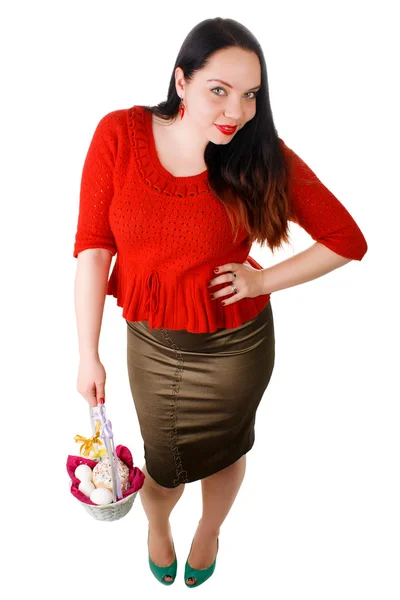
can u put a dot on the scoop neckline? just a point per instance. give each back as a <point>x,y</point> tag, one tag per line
<point>148,122</point>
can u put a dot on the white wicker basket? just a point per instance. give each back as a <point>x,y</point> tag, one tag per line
<point>111,512</point>
<point>118,508</point>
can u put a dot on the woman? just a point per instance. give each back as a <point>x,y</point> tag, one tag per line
<point>180,191</point>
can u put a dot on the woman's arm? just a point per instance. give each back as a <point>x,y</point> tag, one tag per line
<point>304,266</point>
<point>321,214</point>
<point>89,294</point>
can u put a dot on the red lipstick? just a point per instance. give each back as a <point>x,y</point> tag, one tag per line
<point>226,129</point>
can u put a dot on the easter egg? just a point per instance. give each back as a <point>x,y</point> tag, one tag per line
<point>101,496</point>
<point>86,487</point>
<point>84,472</point>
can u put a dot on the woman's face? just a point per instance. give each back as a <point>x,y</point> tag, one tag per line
<point>209,102</point>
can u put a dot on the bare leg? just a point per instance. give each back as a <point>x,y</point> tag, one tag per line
<point>158,503</point>
<point>219,492</point>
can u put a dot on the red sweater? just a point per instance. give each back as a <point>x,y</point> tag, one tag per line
<point>169,233</point>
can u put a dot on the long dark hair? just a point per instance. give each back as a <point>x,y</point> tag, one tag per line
<point>250,174</point>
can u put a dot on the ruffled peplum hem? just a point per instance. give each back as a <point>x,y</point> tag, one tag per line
<point>179,302</point>
<point>149,165</point>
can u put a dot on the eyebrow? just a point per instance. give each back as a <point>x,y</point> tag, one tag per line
<point>227,84</point>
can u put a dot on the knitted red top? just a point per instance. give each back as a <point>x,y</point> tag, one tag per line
<point>169,233</point>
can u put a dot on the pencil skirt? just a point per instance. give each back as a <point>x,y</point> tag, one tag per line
<point>196,394</point>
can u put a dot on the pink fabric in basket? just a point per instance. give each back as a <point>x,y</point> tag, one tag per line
<point>136,476</point>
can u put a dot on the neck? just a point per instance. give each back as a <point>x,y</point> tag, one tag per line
<point>185,137</point>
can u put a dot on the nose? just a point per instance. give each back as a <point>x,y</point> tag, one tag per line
<point>234,109</point>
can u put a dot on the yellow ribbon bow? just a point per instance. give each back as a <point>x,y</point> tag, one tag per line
<point>88,444</point>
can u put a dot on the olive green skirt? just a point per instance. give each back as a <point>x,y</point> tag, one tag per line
<point>196,394</point>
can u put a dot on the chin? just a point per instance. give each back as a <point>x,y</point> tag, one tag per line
<point>222,140</point>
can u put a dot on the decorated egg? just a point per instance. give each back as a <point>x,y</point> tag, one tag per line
<point>84,472</point>
<point>86,487</point>
<point>101,496</point>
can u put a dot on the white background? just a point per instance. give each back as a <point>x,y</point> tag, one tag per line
<point>317,515</point>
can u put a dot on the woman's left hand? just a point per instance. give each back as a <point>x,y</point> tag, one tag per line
<point>249,282</point>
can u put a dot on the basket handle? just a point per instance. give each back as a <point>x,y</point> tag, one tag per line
<point>107,436</point>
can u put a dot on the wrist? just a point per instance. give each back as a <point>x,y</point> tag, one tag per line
<point>265,284</point>
<point>89,355</point>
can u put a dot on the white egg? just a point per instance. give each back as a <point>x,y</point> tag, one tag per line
<point>86,487</point>
<point>101,496</point>
<point>84,472</point>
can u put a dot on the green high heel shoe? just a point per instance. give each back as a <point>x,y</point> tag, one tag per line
<point>201,575</point>
<point>160,572</point>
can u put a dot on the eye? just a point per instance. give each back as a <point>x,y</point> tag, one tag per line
<point>250,98</point>
<point>218,88</point>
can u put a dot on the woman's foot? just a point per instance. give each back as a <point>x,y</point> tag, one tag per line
<point>161,548</point>
<point>203,551</point>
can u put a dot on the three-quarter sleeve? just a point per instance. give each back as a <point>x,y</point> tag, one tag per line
<point>315,208</point>
<point>96,191</point>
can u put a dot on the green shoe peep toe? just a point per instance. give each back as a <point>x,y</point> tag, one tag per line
<point>161,572</point>
<point>199,575</point>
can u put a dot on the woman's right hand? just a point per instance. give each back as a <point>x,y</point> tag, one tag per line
<point>91,380</point>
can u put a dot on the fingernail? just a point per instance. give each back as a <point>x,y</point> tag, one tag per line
<point>223,303</point>
<point>101,400</point>
<point>216,270</point>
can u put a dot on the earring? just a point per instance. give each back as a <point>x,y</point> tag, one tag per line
<point>182,108</point>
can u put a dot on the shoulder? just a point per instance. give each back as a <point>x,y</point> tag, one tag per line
<point>111,131</point>
<point>114,121</point>
<point>297,166</point>
<point>286,151</point>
